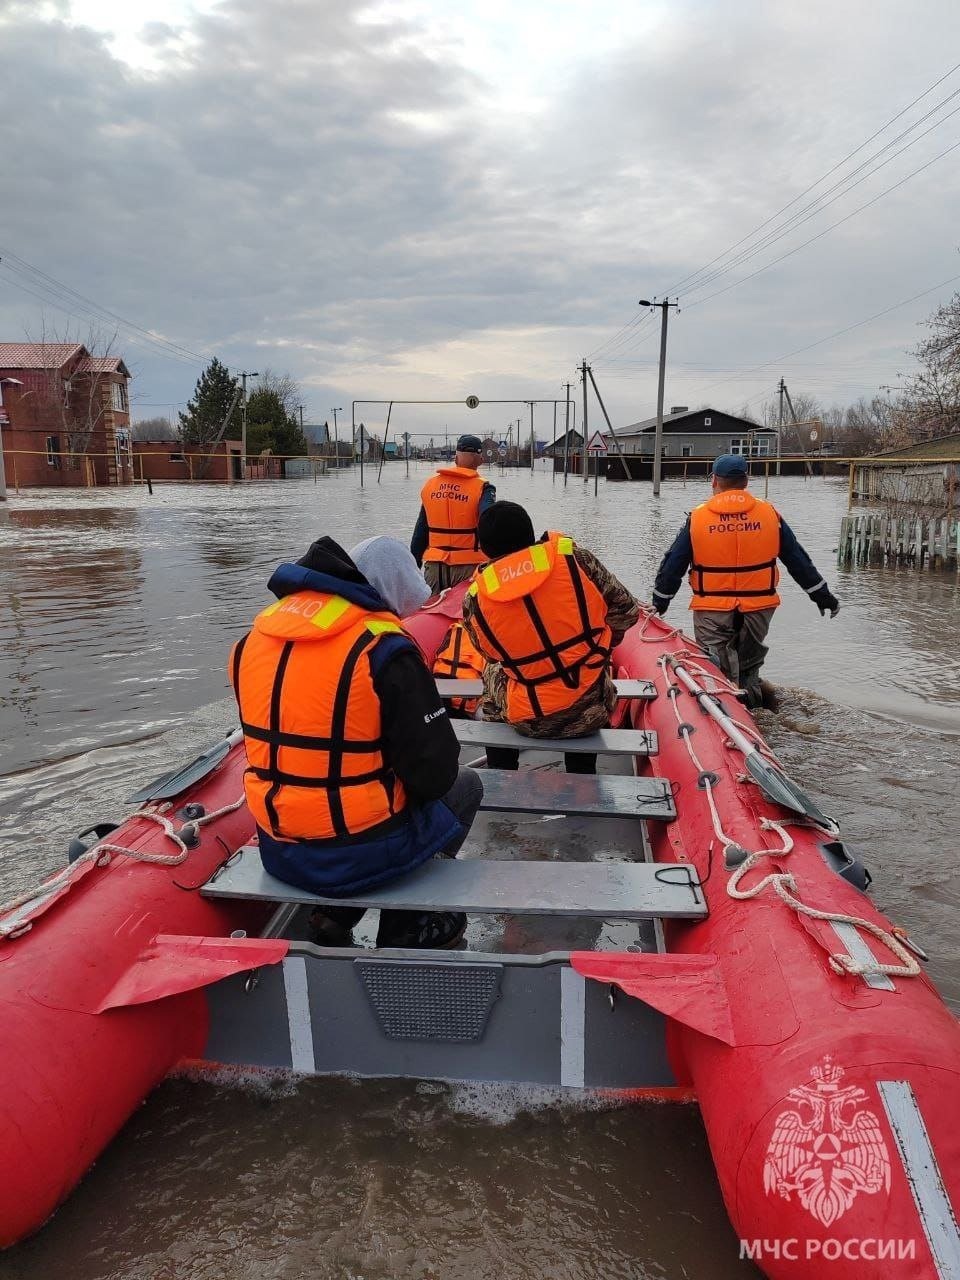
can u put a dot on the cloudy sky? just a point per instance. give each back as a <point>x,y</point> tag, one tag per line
<point>431,198</point>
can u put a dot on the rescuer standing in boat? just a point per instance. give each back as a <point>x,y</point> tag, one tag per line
<point>452,501</point>
<point>731,544</point>
<point>353,774</point>
<point>545,615</point>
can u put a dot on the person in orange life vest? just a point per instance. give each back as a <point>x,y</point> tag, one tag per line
<point>353,774</point>
<point>451,502</point>
<point>459,659</point>
<point>546,615</point>
<point>731,544</point>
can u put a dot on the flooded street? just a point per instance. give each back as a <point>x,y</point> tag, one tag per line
<point>117,610</point>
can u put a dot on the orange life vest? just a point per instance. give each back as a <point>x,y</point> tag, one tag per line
<point>451,503</point>
<point>458,658</point>
<point>736,541</point>
<point>311,719</point>
<point>545,622</point>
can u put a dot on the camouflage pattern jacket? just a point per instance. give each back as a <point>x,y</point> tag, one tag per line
<point>591,711</point>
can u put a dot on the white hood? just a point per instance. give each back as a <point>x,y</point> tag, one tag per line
<point>392,571</point>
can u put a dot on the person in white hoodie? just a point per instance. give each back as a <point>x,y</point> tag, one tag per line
<point>323,828</point>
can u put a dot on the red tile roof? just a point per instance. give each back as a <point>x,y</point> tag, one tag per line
<point>37,355</point>
<point>101,364</point>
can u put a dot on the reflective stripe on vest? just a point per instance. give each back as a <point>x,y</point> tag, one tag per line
<point>304,785</point>
<point>451,504</point>
<point>545,623</point>
<point>735,540</point>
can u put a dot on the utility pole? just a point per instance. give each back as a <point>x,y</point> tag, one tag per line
<point>782,388</point>
<point>532,445</point>
<point>336,438</point>
<point>793,415</point>
<point>566,439</point>
<point>244,374</point>
<point>664,306</point>
<point>585,455</point>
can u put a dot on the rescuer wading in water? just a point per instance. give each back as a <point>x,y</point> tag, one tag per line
<point>451,502</point>
<point>731,544</point>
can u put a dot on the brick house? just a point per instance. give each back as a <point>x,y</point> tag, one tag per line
<point>64,415</point>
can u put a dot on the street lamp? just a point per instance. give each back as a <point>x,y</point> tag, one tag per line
<point>664,306</point>
<point>336,437</point>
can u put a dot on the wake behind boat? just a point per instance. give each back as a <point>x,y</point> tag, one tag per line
<point>687,923</point>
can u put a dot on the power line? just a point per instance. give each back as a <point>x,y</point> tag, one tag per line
<point>840,221</point>
<point>772,239</point>
<point>823,177</point>
<point>637,324</point>
<point>837,333</point>
<point>55,292</point>
<point>703,275</point>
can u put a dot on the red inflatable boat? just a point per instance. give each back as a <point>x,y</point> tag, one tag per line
<point>759,978</point>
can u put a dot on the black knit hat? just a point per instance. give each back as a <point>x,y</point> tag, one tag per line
<point>503,528</point>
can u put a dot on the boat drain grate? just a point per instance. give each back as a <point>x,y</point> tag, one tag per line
<point>423,1001</point>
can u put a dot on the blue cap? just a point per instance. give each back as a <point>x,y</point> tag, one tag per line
<point>469,444</point>
<point>730,464</point>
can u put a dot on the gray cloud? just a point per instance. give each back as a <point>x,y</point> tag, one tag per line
<point>299,181</point>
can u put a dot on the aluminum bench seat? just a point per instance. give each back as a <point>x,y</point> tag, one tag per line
<point>474,688</point>
<point>615,742</point>
<point>603,794</point>
<point>607,890</point>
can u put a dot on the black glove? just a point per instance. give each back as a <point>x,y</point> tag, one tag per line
<point>660,605</point>
<point>824,600</point>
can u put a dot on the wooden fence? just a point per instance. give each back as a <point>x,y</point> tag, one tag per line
<point>921,541</point>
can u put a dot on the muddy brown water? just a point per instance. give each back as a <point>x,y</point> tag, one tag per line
<point>116,613</point>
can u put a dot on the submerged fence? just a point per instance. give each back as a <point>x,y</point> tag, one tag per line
<point>921,541</point>
<point>168,463</point>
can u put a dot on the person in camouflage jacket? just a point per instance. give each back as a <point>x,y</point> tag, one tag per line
<point>504,528</point>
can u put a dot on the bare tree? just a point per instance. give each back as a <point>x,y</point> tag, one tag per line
<point>285,388</point>
<point>930,403</point>
<point>154,429</point>
<point>73,406</point>
<point>805,407</point>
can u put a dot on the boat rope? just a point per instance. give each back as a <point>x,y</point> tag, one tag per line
<point>101,855</point>
<point>783,882</point>
<point>167,859</point>
<point>692,659</point>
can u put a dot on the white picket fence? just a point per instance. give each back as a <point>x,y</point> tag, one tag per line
<point>922,541</point>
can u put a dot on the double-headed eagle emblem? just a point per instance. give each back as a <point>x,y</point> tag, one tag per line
<point>827,1148</point>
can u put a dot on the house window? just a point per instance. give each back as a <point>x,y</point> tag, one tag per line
<point>686,451</point>
<point>118,397</point>
<point>707,422</point>
<point>53,451</point>
<point>750,446</point>
<point>176,457</point>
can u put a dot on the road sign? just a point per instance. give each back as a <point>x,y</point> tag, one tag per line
<point>596,443</point>
<point>502,450</point>
<point>472,402</point>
